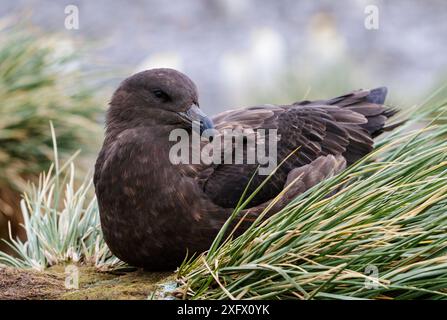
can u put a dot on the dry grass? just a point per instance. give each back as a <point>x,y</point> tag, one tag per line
<point>382,236</point>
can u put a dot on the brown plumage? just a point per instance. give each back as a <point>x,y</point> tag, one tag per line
<point>153,212</point>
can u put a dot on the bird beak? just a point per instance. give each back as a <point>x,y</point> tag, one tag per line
<point>194,114</point>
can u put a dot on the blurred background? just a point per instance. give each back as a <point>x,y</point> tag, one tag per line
<point>239,53</point>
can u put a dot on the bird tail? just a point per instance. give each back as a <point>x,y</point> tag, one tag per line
<point>377,124</point>
<point>370,104</point>
<point>377,95</point>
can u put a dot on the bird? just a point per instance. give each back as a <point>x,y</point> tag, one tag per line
<point>154,212</point>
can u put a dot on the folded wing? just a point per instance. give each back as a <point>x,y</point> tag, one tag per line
<point>342,127</point>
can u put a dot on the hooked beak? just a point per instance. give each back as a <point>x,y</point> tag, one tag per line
<point>194,114</point>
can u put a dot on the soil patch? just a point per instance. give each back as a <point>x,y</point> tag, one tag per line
<point>93,285</point>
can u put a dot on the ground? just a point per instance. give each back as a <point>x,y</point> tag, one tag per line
<point>50,284</point>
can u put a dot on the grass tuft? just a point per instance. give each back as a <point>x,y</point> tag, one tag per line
<point>61,222</point>
<point>40,80</point>
<point>378,230</point>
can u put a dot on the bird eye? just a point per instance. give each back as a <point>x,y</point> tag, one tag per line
<point>160,94</point>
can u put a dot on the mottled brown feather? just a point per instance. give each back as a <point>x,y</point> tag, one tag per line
<point>340,126</point>
<point>154,212</point>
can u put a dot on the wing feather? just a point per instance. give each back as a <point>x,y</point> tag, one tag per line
<point>342,127</point>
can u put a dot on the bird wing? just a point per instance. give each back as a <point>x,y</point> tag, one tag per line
<point>342,127</point>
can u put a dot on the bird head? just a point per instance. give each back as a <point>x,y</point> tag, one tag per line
<point>162,97</point>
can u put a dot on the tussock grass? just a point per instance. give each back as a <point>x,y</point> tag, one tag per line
<point>61,221</point>
<point>385,214</point>
<point>376,231</point>
<point>39,81</point>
